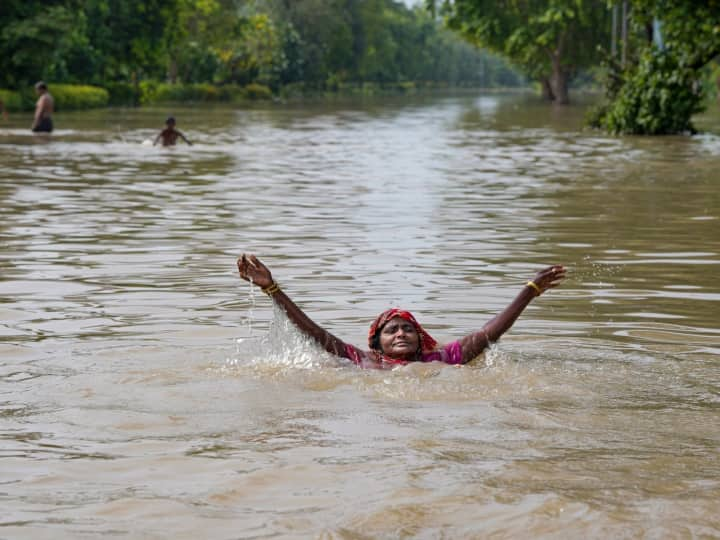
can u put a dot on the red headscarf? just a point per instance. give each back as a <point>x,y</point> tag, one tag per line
<point>427,343</point>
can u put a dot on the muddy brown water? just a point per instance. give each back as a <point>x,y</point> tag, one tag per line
<point>145,392</point>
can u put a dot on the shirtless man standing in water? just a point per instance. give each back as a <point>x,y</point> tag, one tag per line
<point>43,109</point>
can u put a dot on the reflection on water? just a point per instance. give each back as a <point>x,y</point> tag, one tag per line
<point>146,392</point>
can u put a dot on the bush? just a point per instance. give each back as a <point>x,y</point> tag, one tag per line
<point>13,100</point>
<point>123,94</point>
<point>231,92</point>
<point>187,92</point>
<point>154,92</point>
<point>406,87</point>
<point>657,97</point>
<point>76,96</point>
<point>257,91</point>
<point>293,90</point>
<point>711,81</point>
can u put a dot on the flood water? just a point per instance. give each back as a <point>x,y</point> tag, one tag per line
<point>147,392</point>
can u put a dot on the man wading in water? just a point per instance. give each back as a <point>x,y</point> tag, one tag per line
<point>45,106</point>
<point>395,337</point>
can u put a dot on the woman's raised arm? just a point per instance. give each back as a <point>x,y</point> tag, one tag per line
<point>252,270</point>
<point>475,343</point>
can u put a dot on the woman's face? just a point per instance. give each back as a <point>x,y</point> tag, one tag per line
<point>399,339</point>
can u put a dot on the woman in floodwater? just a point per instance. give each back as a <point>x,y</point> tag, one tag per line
<point>395,337</point>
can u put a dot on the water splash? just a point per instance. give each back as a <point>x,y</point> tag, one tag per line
<point>283,347</point>
<point>491,355</point>
<point>251,309</point>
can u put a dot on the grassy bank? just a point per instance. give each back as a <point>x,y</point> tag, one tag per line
<point>67,97</point>
<point>12,101</point>
<point>74,97</point>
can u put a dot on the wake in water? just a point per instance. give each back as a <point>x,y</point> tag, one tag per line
<point>538,368</point>
<point>526,369</point>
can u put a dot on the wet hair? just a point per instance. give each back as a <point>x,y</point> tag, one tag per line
<point>170,120</point>
<point>375,341</point>
<point>40,85</point>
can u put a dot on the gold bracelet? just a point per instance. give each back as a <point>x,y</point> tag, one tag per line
<point>271,289</point>
<point>534,286</point>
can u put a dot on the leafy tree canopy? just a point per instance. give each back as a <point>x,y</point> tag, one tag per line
<point>551,41</point>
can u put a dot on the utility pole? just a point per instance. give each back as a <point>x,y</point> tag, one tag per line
<point>624,31</point>
<point>613,31</point>
<point>657,34</point>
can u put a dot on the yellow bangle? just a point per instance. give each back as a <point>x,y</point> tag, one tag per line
<point>534,286</point>
<point>271,289</point>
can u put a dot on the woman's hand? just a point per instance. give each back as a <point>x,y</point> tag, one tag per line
<point>549,277</point>
<point>252,270</point>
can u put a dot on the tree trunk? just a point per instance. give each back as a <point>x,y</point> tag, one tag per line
<point>649,34</point>
<point>559,77</point>
<point>547,91</point>
<point>172,70</point>
<point>559,82</point>
<point>136,88</point>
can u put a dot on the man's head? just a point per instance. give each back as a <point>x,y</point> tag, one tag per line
<point>170,122</point>
<point>40,87</point>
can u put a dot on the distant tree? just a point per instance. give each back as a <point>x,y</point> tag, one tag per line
<point>330,42</point>
<point>320,44</point>
<point>129,36</point>
<point>35,39</point>
<point>317,40</point>
<point>205,40</point>
<point>549,41</point>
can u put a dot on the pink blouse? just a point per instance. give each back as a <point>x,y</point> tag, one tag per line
<point>448,354</point>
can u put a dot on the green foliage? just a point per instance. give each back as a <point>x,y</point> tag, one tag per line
<point>12,100</point>
<point>66,96</point>
<point>251,55</point>
<point>658,97</point>
<point>134,47</point>
<point>257,91</point>
<point>35,39</point>
<point>123,93</point>
<point>152,92</point>
<point>197,63</point>
<point>711,80</point>
<point>659,91</point>
<point>128,36</point>
<point>72,96</point>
